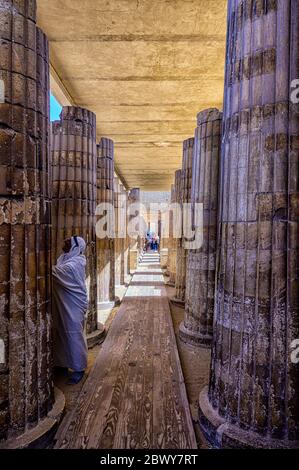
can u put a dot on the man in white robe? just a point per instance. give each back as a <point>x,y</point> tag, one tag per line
<point>69,309</point>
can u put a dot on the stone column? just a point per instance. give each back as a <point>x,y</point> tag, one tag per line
<point>253,397</point>
<point>123,233</point>
<point>125,196</point>
<point>74,191</point>
<point>134,198</point>
<point>171,264</point>
<point>183,196</point>
<point>164,248</point>
<point>27,395</point>
<point>197,327</point>
<point>177,220</point>
<point>164,253</point>
<point>106,246</point>
<point>120,232</point>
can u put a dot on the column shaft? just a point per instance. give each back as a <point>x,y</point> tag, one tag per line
<point>183,197</point>
<point>171,265</point>
<point>197,327</point>
<point>126,239</point>
<point>120,223</point>
<point>106,245</point>
<point>254,386</point>
<point>134,253</point>
<point>26,387</point>
<point>74,190</point>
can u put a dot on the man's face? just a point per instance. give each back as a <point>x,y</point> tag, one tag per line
<point>67,245</point>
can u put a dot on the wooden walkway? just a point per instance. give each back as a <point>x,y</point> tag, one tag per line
<point>135,396</point>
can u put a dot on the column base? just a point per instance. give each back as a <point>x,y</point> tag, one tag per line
<point>134,260</point>
<point>178,302</point>
<point>170,284</point>
<point>40,436</point>
<point>171,280</point>
<point>223,435</point>
<point>133,272</point>
<point>164,258</point>
<point>96,337</point>
<point>194,338</point>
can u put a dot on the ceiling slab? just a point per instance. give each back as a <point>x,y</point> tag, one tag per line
<point>146,68</point>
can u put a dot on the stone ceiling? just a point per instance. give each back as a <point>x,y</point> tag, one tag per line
<point>146,68</point>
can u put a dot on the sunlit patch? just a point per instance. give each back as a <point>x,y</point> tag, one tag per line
<point>150,268</point>
<point>148,279</point>
<point>2,352</point>
<point>145,278</point>
<point>143,291</point>
<point>88,285</point>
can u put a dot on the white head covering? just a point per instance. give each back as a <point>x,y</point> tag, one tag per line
<point>70,304</point>
<point>77,249</point>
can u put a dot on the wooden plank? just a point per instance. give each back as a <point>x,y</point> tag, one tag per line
<point>135,396</point>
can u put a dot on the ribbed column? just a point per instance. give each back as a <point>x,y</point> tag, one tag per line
<point>164,248</point>
<point>171,264</point>
<point>106,246</point>
<point>197,327</point>
<point>126,268</point>
<point>26,386</point>
<point>123,233</point>
<point>120,232</point>
<point>164,253</point>
<point>254,387</point>
<point>74,190</point>
<point>183,196</point>
<point>134,252</point>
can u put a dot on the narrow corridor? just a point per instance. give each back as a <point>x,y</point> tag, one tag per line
<point>135,396</point>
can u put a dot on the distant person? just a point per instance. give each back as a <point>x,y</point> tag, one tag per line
<point>153,242</point>
<point>69,309</point>
<point>155,246</point>
<point>148,242</point>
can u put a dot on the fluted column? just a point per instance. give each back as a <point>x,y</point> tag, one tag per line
<point>197,327</point>
<point>120,232</point>
<point>123,234</point>
<point>164,249</point>
<point>183,196</point>
<point>134,198</point>
<point>253,397</point>
<point>171,264</point>
<point>74,191</point>
<point>106,246</point>
<point>126,267</point>
<point>26,385</point>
